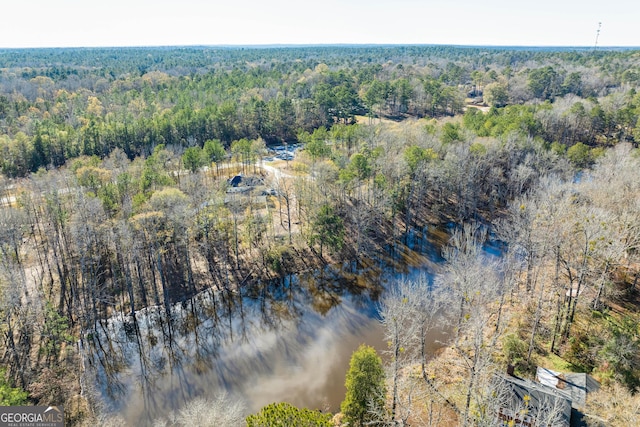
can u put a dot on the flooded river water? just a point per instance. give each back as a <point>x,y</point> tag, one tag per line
<point>289,340</point>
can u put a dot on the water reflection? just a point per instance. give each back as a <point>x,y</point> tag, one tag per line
<point>284,341</point>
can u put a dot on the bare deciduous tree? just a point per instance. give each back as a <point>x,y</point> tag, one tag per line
<point>410,311</point>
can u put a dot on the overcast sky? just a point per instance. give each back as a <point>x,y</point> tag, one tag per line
<point>50,23</point>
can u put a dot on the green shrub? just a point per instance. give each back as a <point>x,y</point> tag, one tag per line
<point>11,396</point>
<point>285,415</point>
<point>579,155</point>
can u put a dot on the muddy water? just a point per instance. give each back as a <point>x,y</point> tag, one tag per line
<point>287,341</point>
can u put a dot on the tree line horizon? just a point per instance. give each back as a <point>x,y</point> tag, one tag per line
<point>56,105</point>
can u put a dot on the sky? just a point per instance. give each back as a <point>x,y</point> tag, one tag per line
<point>64,23</point>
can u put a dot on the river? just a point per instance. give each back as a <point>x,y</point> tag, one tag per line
<point>289,340</point>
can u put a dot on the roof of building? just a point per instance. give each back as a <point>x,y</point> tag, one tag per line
<point>533,403</point>
<point>574,386</point>
<point>235,180</point>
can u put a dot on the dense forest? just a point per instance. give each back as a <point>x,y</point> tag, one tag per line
<point>59,104</point>
<point>140,177</point>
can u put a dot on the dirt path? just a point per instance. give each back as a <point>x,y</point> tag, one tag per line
<point>277,172</point>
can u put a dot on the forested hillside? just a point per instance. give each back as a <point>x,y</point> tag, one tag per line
<point>139,177</point>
